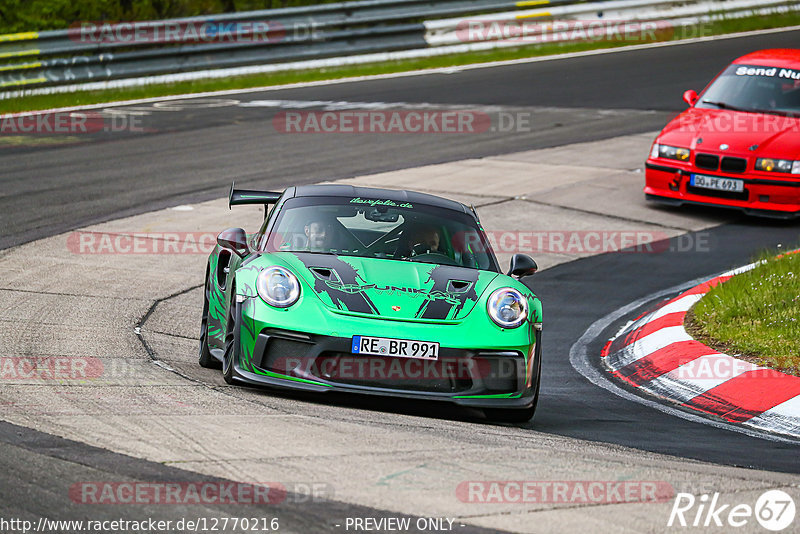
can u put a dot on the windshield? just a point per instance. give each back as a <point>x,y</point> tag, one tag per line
<point>376,228</point>
<point>755,88</point>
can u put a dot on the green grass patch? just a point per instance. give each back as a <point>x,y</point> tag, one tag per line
<point>755,314</point>
<point>35,140</point>
<point>279,78</point>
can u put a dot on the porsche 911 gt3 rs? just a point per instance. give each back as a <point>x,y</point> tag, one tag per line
<point>372,291</point>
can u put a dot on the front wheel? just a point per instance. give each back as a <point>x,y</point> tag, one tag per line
<point>509,415</point>
<point>206,359</point>
<point>231,343</point>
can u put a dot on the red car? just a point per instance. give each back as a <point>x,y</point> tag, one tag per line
<point>738,144</point>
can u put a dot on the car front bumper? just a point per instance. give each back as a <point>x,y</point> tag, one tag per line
<point>504,376</point>
<point>761,196</point>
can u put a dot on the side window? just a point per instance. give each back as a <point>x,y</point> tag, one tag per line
<point>259,237</point>
<point>791,96</point>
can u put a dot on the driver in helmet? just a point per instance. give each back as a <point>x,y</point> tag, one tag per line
<point>424,239</point>
<point>319,235</point>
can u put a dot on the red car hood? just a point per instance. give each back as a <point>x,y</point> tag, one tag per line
<point>775,136</point>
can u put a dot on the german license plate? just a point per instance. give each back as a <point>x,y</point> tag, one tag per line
<point>716,183</point>
<point>401,348</point>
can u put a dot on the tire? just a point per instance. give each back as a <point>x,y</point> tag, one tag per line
<point>231,343</point>
<point>510,415</point>
<point>206,360</point>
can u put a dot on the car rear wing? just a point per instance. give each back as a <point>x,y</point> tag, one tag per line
<point>249,196</point>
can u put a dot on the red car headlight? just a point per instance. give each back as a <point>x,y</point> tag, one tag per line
<point>670,152</point>
<point>778,165</point>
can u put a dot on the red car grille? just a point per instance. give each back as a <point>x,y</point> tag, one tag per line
<point>733,164</point>
<point>711,162</point>
<point>707,161</point>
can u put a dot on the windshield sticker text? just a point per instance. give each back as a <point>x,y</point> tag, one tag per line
<point>771,72</point>
<point>387,202</point>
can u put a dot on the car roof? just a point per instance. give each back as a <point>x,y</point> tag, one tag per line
<point>773,57</point>
<point>341,190</point>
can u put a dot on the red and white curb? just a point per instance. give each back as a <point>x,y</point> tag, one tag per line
<point>654,353</point>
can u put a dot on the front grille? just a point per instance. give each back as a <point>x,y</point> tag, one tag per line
<point>707,161</point>
<point>730,164</point>
<point>732,195</point>
<point>499,374</point>
<point>329,359</point>
<point>282,355</point>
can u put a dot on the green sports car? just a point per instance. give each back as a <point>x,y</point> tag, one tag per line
<point>372,291</point>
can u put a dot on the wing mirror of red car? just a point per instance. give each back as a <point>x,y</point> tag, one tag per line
<point>690,97</point>
<point>234,239</point>
<point>522,265</point>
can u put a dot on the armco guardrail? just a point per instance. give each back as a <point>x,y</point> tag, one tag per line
<point>260,41</point>
<point>603,19</point>
<point>82,53</point>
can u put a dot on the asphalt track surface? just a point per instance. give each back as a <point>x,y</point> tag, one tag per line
<point>573,407</point>
<point>194,154</point>
<point>42,468</point>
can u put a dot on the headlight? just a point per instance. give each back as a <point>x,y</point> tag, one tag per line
<point>507,307</point>
<point>278,287</point>
<point>670,152</point>
<point>778,165</point>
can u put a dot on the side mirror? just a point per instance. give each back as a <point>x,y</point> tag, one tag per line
<point>522,265</point>
<point>690,97</point>
<point>234,239</point>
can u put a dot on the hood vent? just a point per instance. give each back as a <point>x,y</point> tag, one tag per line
<point>458,286</point>
<point>325,273</point>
